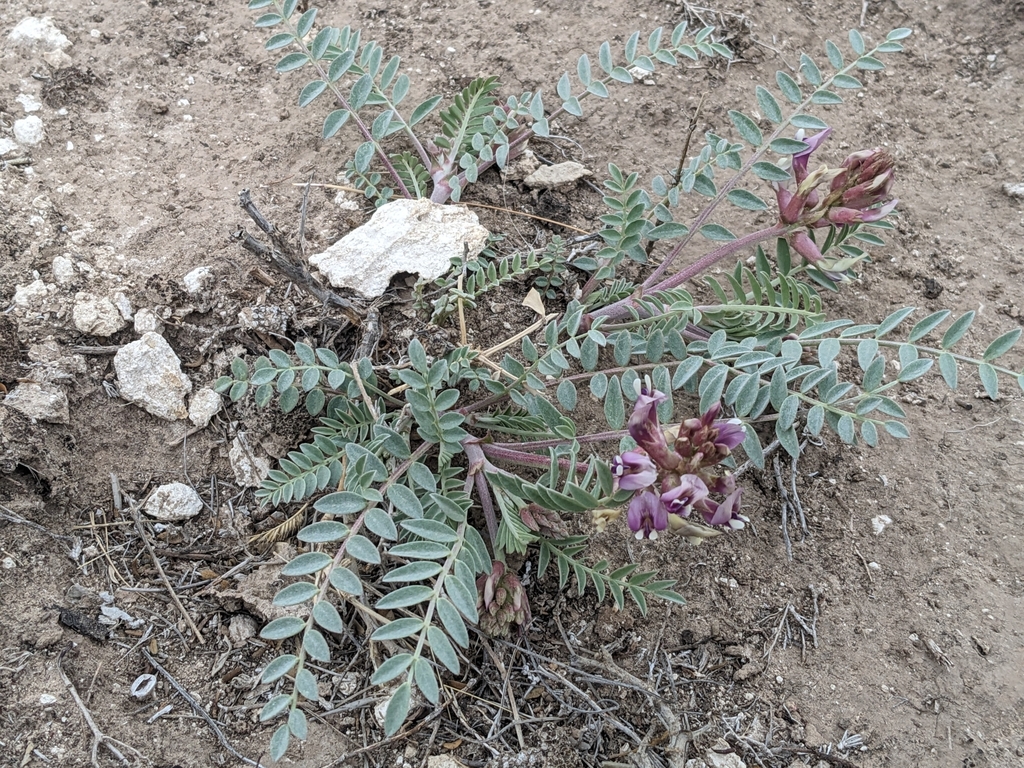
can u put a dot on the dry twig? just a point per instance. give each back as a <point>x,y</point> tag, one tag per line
<point>98,736</point>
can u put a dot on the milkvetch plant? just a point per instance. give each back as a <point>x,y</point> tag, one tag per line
<point>432,477</point>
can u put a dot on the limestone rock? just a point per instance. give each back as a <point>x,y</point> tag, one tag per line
<point>173,502</point>
<point>414,236</point>
<point>28,131</point>
<point>147,321</point>
<point>96,315</point>
<point>63,270</point>
<point>33,293</point>
<point>43,402</point>
<point>149,375</point>
<point>559,175</point>
<point>198,280</point>
<point>203,406</point>
<point>39,33</point>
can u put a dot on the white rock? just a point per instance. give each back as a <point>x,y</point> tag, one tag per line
<point>39,32</point>
<point>47,699</point>
<point>149,375</point>
<point>57,59</point>
<point>241,628</point>
<point>174,501</point>
<point>28,131</point>
<point>1015,191</point>
<point>28,103</point>
<point>148,321</point>
<point>879,523</point>
<point>96,315</point>
<point>203,406</point>
<point>43,402</point>
<point>198,280</point>
<point>123,304</point>
<point>250,470</point>
<point>715,759</point>
<point>551,176</point>
<point>33,293</point>
<point>63,270</point>
<point>415,236</point>
<point>7,146</point>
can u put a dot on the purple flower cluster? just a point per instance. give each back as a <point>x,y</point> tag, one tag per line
<point>678,479</point>
<point>855,193</point>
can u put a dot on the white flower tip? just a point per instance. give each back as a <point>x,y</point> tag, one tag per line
<point>654,535</point>
<point>639,535</point>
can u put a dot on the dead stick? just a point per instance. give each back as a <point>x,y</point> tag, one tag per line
<point>134,512</point>
<point>198,710</point>
<point>98,736</point>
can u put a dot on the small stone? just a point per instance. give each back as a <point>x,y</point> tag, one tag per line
<point>7,146</point>
<point>123,304</point>
<point>39,33</point>
<point>47,699</point>
<point>1016,191</point>
<point>879,523</point>
<point>28,131</point>
<point>57,59</point>
<point>63,270</point>
<point>28,103</point>
<point>558,175</point>
<point>96,315</point>
<point>695,762</point>
<point>172,502</point>
<point>147,321</point>
<point>250,470</point>
<point>33,293</point>
<point>42,402</point>
<point>265,317</point>
<point>198,280</point>
<point>149,375</point>
<point>241,628</point>
<point>414,236</point>
<point>204,406</point>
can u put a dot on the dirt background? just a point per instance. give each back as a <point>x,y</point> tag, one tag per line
<point>166,109</point>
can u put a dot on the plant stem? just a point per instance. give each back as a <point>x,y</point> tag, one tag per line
<point>477,463</point>
<point>618,309</point>
<point>495,451</point>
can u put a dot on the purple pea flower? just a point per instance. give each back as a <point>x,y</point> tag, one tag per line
<point>645,429</point>
<point>800,158</point>
<point>725,514</point>
<point>680,499</point>
<point>633,470</point>
<point>647,515</point>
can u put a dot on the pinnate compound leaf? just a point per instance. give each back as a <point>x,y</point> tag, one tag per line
<point>462,597</point>
<point>323,531</point>
<point>748,201</point>
<point>1001,345</point>
<point>380,523</point>
<point>398,629</point>
<point>989,380</point>
<point>956,331</point>
<point>769,106</point>
<point>291,61</point>
<point>340,503</point>
<point>421,550</point>
<point>442,649</point>
<point>923,327</point>
<point>892,321</point>
<point>274,707</point>
<point>327,616</point>
<point>315,645</point>
<point>416,571</point>
<point>305,564</point>
<point>897,429</point>
<point>343,580</point>
<point>405,500</point>
<point>282,628</point>
<point>424,109</point>
<point>398,709</point>
<point>747,128</point>
<point>426,680</point>
<point>770,172</point>
<point>452,621</point>
<point>296,593</point>
<point>915,370</point>
<point>845,429</point>
<point>431,530</point>
<point>280,666</point>
<point>391,668</point>
<point>279,742</point>
<point>361,548</point>
<point>789,87</point>
<point>403,597</point>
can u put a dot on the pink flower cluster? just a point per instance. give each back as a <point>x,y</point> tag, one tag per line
<point>678,479</point>
<point>855,193</point>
